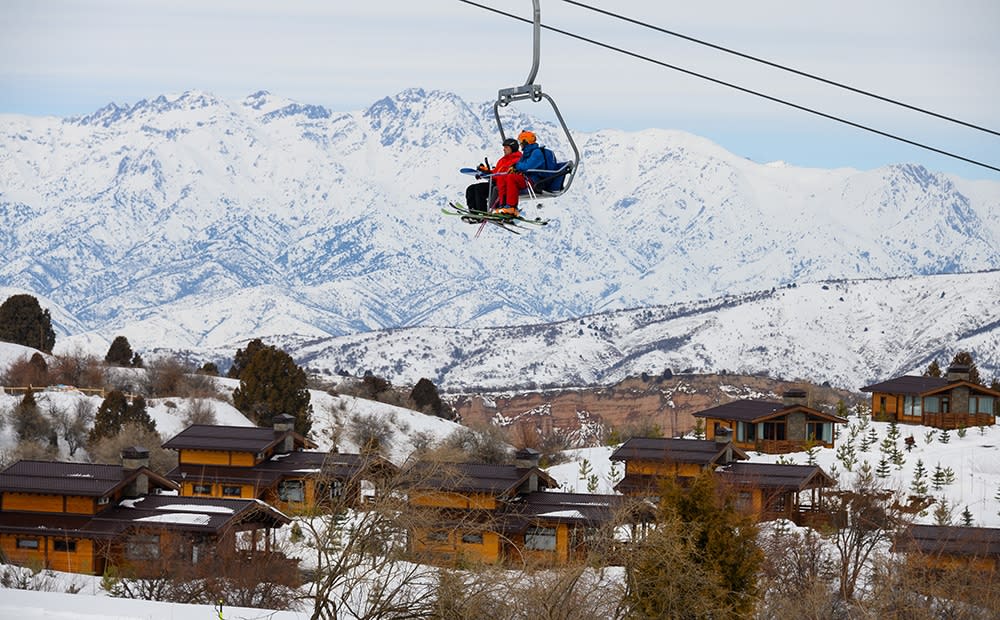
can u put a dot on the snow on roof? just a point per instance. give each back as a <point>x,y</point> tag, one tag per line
<point>196,508</point>
<point>186,518</point>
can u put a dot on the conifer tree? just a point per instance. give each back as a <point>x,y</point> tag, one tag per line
<point>272,384</point>
<point>22,321</point>
<point>967,517</point>
<point>119,353</point>
<point>964,358</point>
<point>934,370</point>
<point>944,436</point>
<point>426,398</point>
<point>918,485</point>
<point>938,478</point>
<point>115,411</point>
<point>243,357</point>
<point>882,470</point>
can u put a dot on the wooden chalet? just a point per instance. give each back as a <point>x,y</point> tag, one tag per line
<point>648,461</point>
<point>270,464</point>
<point>83,517</point>
<point>945,402</point>
<point>503,514</point>
<point>773,491</point>
<point>937,546</point>
<point>772,427</point>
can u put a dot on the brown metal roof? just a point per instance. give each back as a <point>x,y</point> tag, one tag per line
<point>760,410</point>
<point>700,451</point>
<point>154,512</point>
<point>477,477</point>
<point>950,540</point>
<point>908,384</point>
<point>232,438</point>
<point>281,466</point>
<point>775,476</point>
<point>585,509</point>
<point>83,479</point>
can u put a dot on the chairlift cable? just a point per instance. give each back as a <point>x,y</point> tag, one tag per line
<point>776,65</point>
<point>743,89</point>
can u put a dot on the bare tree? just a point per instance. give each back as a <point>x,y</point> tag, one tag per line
<point>73,426</point>
<point>199,411</point>
<point>109,449</point>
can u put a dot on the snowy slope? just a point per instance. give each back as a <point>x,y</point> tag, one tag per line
<point>850,333</point>
<point>187,221</point>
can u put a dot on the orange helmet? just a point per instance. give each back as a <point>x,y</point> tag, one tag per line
<point>526,137</point>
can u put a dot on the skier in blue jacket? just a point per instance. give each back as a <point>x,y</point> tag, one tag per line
<point>532,157</point>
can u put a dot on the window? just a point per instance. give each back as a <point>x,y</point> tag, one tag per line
<point>143,547</point>
<point>744,500</point>
<point>103,501</point>
<point>932,404</point>
<point>819,431</point>
<point>437,536</point>
<point>540,538</point>
<point>201,489</point>
<point>746,431</point>
<point>911,406</point>
<point>61,544</point>
<point>27,543</point>
<point>292,491</point>
<point>472,538</point>
<point>774,431</point>
<point>881,405</point>
<point>232,491</point>
<point>981,404</point>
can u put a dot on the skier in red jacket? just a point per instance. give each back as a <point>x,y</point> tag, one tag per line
<point>477,195</point>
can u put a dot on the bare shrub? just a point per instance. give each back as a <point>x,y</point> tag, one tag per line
<point>199,411</point>
<point>73,426</point>
<point>26,372</point>
<point>486,444</point>
<point>79,369</point>
<point>109,449</point>
<point>170,377</point>
<point>371,432</point>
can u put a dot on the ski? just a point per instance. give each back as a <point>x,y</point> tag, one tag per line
<point>478,216</point>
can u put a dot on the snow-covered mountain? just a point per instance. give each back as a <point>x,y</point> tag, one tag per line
<point>195,223</point>
<point>147,211</point>
<point>847,333</point>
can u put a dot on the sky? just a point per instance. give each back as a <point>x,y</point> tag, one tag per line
<point>70,57</point>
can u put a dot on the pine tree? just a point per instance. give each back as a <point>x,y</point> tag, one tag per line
<point>882,470</point>
<point>934,370</point>
<point>243,357</point>
<point>868,440</point>
<point>943,512</point>
<point>272,384</point>
<point>938,478</point>
<point>119,353</point>
<point>847,455</point>
<point>944,436</point>
<point>22,321</point>
<point>108,421</point>
<point>893,433</point>
<point>918,485</point>
<point>967,517</point>
<point>964,358</point>
<point>426,398</point>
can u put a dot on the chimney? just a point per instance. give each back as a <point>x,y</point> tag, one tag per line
<point>527,458</point>
<point>285,423</point>
<point>794,397</point>
<point>724,438</point>
<point>135,458</point>
<point>957,372</point>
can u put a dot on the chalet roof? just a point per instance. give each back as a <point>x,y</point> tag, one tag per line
<point>83,479</point>
<point>293,464</point>
<point>700,451</point>
<point>759,410</point>
<point>478,477</point>
<point>950,540</point>
<point>973,387</point>
<point>152,512</point>
<point>553,507</point>
<point>232,438</point>
<point>908,384</point>
<point>775,476</point>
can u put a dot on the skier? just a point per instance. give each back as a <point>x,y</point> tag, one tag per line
<point>477,195</point>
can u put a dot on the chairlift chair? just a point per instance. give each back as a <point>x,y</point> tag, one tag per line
<point>532,91</point>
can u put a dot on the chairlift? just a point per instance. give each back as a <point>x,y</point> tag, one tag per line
<point>532,91</point>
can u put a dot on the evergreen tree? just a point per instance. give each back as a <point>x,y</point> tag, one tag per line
<point>944,436</point>
<point>964,358</point>
<point>272,384</point>
<point>934,370</point>
<point>135,413</point>
<point>29,423</point>
<point>882,470</point>
<point>108,421</point>
<point>22,321</point>
<point>243,357</point>
<point>702,538</point>
<point>119,353</point>
<point>938,478</point>
<point>425,396</point>
<point>847,455</point>
<point>918,485</point>
<point>967,517</point>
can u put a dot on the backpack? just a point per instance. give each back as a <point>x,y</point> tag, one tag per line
<point>554,183</point>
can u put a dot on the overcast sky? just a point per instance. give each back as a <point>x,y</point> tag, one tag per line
<point>67,57</point>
